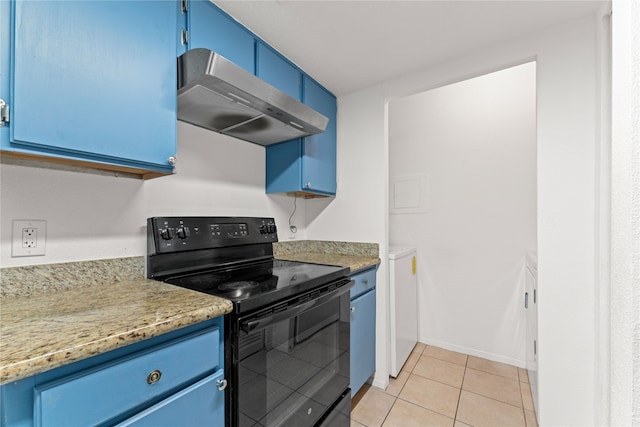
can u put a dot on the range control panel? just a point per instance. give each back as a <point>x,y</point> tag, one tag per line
<point>176,234</point>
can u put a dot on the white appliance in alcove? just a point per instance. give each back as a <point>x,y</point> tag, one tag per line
<point>403,303</point>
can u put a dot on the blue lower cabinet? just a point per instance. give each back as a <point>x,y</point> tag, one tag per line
<point>171,380</point>
<point>191,407</point>
<point>363,329</point>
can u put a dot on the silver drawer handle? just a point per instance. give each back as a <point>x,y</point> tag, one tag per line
<point>352,309</point>
<point>221,384</point>
<point>366,281</point>
<point>154,377</point>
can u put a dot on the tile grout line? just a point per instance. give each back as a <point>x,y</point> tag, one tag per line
<point>481,395</point>
<point>395,398</point>
<point>495,400</point>
<point>438,381</point>
<point>455,417</point>
<point>522,400</point>
<point>494,373</point>
<point>524,410</point>
<point>443,360</point>
<point>410,373</point>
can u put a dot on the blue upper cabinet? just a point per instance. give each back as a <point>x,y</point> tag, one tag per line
<point>5,61</point>
<point>306,166</point>
<point>319,151</point>
<point>278,72</point>
<point>211,28</point>
<point>93,82</point>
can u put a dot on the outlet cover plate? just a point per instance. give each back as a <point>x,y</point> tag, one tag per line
<point>29,238</point>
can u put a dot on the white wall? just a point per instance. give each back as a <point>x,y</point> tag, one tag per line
<point>88,216</point>
<point>625,216</point>
<point>567,84</point>
<point>476,142</point>
<point>91,216</point>
<point>358,213</point>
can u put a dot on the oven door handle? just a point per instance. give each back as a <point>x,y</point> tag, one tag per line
<point>250,325</point>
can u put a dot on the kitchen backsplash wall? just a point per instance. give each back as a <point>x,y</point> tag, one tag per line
<point>95,216</point>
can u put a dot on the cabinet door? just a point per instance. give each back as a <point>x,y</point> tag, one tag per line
<point>363,339</point>
<point>319,151</point>
<point>211,28</point>
<point>309,164</point>
<point>5,62</point>
<point>278,72</point>
<point>126,383</point>
<point>283,166</point>
<point>95,81</point>
<point>195,406</point>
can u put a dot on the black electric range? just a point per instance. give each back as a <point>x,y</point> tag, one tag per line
<point>287,339</point>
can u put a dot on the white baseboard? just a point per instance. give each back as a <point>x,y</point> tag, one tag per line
<point>474,352</point>
<point>381,383</point>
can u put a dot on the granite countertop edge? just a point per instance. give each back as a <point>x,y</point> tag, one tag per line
<point>354,263</point>
<point>48,329</point>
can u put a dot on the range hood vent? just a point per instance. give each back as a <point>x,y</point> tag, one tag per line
<point>216,94</point>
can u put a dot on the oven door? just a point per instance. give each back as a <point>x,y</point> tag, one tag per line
<point>293,365</point>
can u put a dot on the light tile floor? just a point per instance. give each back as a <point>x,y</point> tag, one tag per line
<point>438,387</point>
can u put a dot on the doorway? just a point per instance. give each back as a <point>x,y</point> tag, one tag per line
<point>463,192</point>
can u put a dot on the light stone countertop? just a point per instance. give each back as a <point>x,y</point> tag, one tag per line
<point>51,328</point>
<point>354,255</point>
<point>52,315</point>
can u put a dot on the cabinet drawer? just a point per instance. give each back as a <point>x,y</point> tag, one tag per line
<point>365,281</point>
<point>198,405</point>
<point>97,395</point>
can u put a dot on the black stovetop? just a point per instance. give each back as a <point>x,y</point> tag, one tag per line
<point>231,257</point>
<point>255,285</point>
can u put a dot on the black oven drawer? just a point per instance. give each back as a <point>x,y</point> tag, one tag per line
<point>340,416</point>
<point>293,365</point>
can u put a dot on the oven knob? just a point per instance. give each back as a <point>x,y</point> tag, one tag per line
<point>184,232</point>
<point>263,229</point>
<point>272,228</point>
<point>167,233</point>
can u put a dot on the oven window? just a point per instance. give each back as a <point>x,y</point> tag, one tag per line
<point>292,371</point>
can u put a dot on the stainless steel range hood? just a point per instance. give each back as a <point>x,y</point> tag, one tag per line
<point>216,94</point>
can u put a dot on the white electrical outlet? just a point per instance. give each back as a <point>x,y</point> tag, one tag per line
<point>29,238</point>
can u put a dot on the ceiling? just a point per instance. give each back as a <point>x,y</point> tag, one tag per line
<point>350,45</point>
